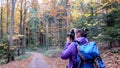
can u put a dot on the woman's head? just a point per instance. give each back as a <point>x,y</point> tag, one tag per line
<point>81,33</point>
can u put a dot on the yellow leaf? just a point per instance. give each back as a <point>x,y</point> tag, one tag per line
<point>44,0</point>
<point>42,30</point>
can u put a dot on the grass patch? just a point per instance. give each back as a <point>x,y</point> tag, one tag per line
<point>22,57</point>
<point>51,52</point>
<point>47,51</point>
<point>2,61</point>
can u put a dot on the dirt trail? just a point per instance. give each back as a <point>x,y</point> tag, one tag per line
<point>38,62</point>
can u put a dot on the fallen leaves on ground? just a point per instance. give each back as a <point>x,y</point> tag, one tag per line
<point>56,62</point>
<point>18,64</point>
<point>111,60</point>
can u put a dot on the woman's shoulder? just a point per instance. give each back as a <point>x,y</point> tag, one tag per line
<point>72,44</point>
<point>82,40</point>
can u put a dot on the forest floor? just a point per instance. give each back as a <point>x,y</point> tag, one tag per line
<point>38,60</point>
<point>111,58</point>
<point>34,61</point>
<point>18,64</point>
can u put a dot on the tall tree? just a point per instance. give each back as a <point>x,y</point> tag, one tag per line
<point>21,16</point>
<point>10,57</point>
<point>21,25</point>
<point>66,13</point>
<point>24,28</point>
<point>1,22</point>
<point>12,23</point>
<point>7,14</point>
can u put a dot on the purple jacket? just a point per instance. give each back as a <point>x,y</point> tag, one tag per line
<point>70,52</point>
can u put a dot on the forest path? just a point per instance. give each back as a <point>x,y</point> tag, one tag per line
<point>38,61</point>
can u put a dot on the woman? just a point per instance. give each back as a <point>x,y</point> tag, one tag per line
<point>70,38</point>
<point>71,51</point>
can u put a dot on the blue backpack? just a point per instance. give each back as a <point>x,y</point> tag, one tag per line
<point>89,54</point>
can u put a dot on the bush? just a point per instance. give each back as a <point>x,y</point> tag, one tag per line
<point>5,51</point>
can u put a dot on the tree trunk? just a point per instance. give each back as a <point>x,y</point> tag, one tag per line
<point>7,18</point>
<point>66,13</point>
<point>18,48</point>
<point>28,35</point>
<point>44,35</point>
<point>47,32</point>
<point>1,32</point>
<point>21,27</point>
<point>11,28</point>
<point>67,22</point>
<point>12,23</point>
<point>24,30</point>
<point>21,17</point>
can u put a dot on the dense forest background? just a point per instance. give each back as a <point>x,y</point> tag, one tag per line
<point>44,23</point>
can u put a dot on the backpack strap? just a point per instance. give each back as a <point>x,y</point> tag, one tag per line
<point>80,54</point>
<point>82,58</point>
<point>78,50</point>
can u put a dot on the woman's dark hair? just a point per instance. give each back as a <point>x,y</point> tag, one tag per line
<point>71,36</point>
<point>83,32</point>
<point>73,33</point>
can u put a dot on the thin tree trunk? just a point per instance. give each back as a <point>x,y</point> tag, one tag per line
<point>21,17</point>
<point>67,23</point>
<point>44,36</point>
<point>21,29</point>
<point>1,21</point>
<point>47,33</point>
<point>24,29</point>
<point>18,48</point>
<point>7,18</point>
<point>66,13</point>
<point>57,24</point>
<point>28,36</point>
<point>0,26</point>
<point>58,35</point>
